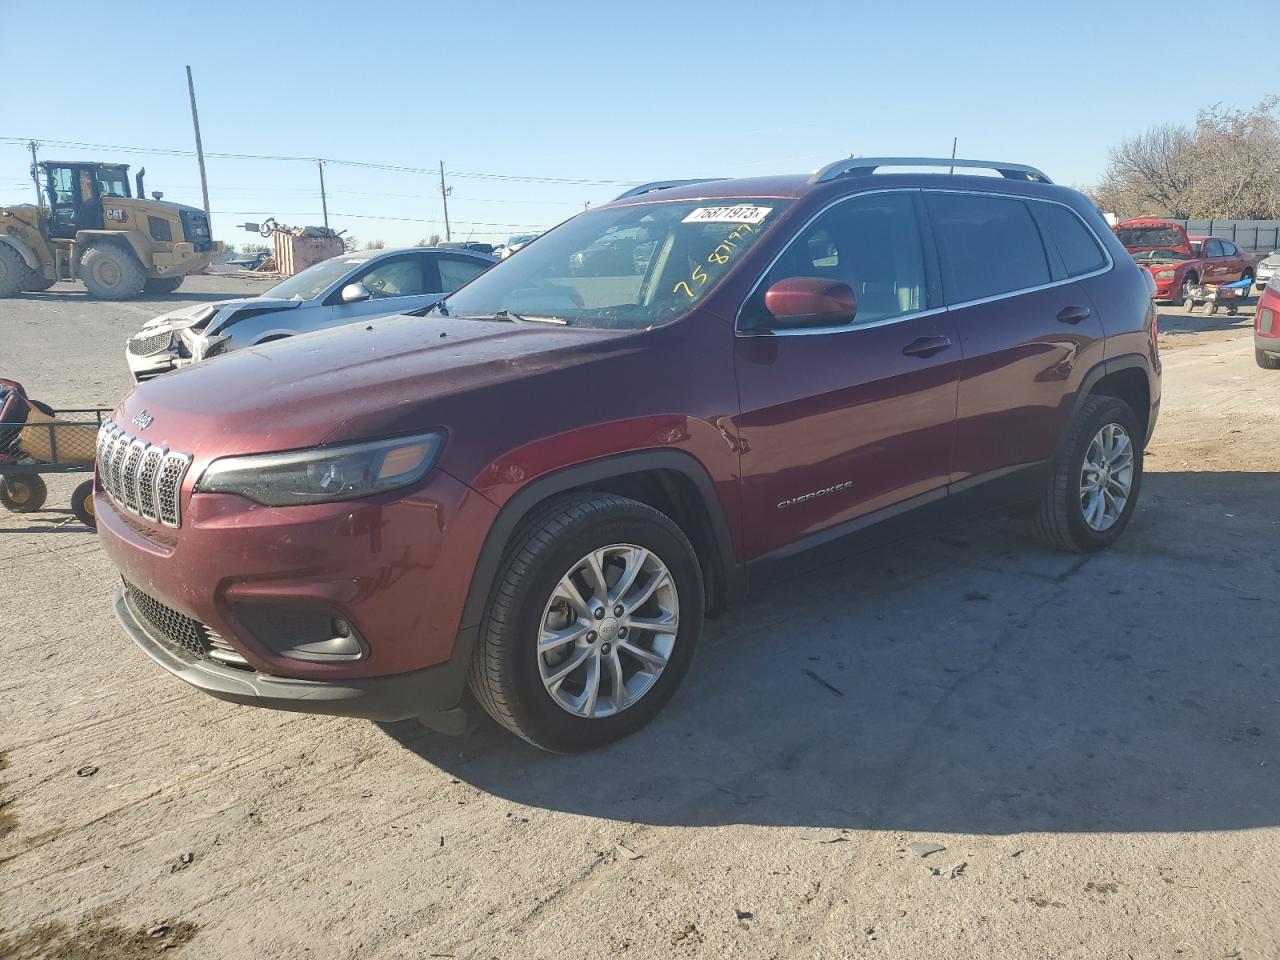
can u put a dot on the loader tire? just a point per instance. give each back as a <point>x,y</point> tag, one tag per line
<point>37,282</point>
<point>162,284</point>
<point>110,272</point>
<point>13,271</point>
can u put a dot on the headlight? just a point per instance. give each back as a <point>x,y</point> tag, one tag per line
<point>1166,274</point>
<point>324,474</point>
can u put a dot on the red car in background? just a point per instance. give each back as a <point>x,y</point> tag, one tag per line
<point>1177,261</point>
<point>1266,326</point>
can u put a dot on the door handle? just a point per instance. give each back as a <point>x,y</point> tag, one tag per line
<point>926,346</point>
<point>1073,315</point>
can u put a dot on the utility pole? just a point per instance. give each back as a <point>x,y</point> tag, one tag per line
<point>324,204</point>
<point>195,122</point>
<point>954,141</point>
<point>444,196</point>
<point>35,172</point>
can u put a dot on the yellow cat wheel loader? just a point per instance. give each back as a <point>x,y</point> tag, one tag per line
<point>96,230</point>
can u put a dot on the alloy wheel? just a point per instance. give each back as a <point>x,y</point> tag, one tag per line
<point>1106,477</point>
<point>608,630</point>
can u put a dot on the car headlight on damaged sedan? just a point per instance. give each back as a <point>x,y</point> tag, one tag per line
<point>324,474</point>
<point>1166,274</point>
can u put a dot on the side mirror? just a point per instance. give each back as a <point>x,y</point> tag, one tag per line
<point>157,194</point>
<point>354,293</point>
<point>811,302</point>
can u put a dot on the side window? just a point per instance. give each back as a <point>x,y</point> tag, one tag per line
<point>1213,248</point>
<point>989,245</point>
<point>870,242</point>
<point>398,277</point>
<point>455,271</point>
<point>62,186</point>
<point>1229,249</point>
<point>1075,243</point>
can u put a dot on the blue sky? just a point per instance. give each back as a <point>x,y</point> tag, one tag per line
<point>591,91</point>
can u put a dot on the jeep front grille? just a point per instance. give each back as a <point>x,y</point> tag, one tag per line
<point>141,477</point>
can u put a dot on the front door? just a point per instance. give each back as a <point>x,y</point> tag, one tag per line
<point>837,423</point>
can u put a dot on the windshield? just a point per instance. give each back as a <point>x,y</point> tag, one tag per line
<point>314,280</point>
<point>1163,235</point>
<point>622,268</point>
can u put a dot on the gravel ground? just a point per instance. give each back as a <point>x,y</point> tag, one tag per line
<point>1090,743</point>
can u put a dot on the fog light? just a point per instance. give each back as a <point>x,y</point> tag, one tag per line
<point>313,635</point>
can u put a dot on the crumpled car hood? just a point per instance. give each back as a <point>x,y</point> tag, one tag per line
<point>221,312</point>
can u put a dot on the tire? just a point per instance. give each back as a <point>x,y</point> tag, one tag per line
<point>162,284</point>
<point>82,505</point>
<point>1265,361</point>
<point>23,492</point>
<point>37,282</point>
<point>13,271</point>
<point>1059,520</point>
<point>507,671</point>
<point>1247,275</point>
<point>110,272</point>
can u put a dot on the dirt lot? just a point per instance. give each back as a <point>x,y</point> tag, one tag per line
<point>1093,742</point>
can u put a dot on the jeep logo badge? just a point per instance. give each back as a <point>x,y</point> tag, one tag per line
<point>142,420</point>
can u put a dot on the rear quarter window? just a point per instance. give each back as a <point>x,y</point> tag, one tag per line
<point>1075,243</point>
<point>989,245</point>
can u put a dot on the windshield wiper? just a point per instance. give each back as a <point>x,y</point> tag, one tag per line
<point>520,318</point>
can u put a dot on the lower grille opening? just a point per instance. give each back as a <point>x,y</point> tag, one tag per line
<point>182,633</point>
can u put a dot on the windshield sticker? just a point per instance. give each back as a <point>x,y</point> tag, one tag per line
<point>743,213</point>
<point>721,255</point>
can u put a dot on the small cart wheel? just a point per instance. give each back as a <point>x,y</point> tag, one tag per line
<point>1231,310</point>
<point>23,492</point>
<point>1213,310</point>
<point>82,505</point>
<point>1188,305</point>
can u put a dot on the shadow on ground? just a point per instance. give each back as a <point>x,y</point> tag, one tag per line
<point>1175,320</point>
<point>966,681</point>
<point>78,294</point>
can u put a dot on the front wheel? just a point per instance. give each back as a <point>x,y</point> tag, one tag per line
<point>591,624</point>
<point>1096,478</point>
<point>23,492</point>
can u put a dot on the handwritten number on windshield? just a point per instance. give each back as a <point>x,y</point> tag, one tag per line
<point>720,256</point>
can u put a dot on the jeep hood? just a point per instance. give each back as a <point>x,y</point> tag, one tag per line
<point>382,377</point>
<point>213,317</point>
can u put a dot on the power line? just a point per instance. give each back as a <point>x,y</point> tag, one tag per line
<point>372,216</point>
<point>367,164</point>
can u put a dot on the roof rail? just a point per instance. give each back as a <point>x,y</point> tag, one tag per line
<point>662,185</point>
<point>862,166</point>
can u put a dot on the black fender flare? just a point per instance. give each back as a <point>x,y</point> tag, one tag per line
<point>515,510</point>
<point>1106,367</point>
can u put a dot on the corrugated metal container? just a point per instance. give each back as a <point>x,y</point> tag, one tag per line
<point>295,254</point>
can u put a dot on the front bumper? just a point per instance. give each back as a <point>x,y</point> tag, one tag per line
<point>396,567</point>
<point>1170,289</point>
<point>431,695</point>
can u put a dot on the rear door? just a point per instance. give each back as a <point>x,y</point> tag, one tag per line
<point>839,422</point>
<point>1026,324</point>
<point>1217,269</point>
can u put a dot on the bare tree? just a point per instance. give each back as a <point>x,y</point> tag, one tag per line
<point>431,241</point>
<point>374,245</point>
<point>1226,168</point>
<point>1236,163</point>
<point>1149,173</point>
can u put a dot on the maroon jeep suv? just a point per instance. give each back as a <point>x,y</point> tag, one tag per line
<point>539,489</point>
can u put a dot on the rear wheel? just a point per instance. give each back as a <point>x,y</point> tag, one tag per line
<point>162,284</point>
<point>110,272</point>
<point>1096,478</point>
<point>1266,361</point>
<point>23,492</point>
<point>591,625</point>
<point>82,505</point>
<point>13,271</point>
